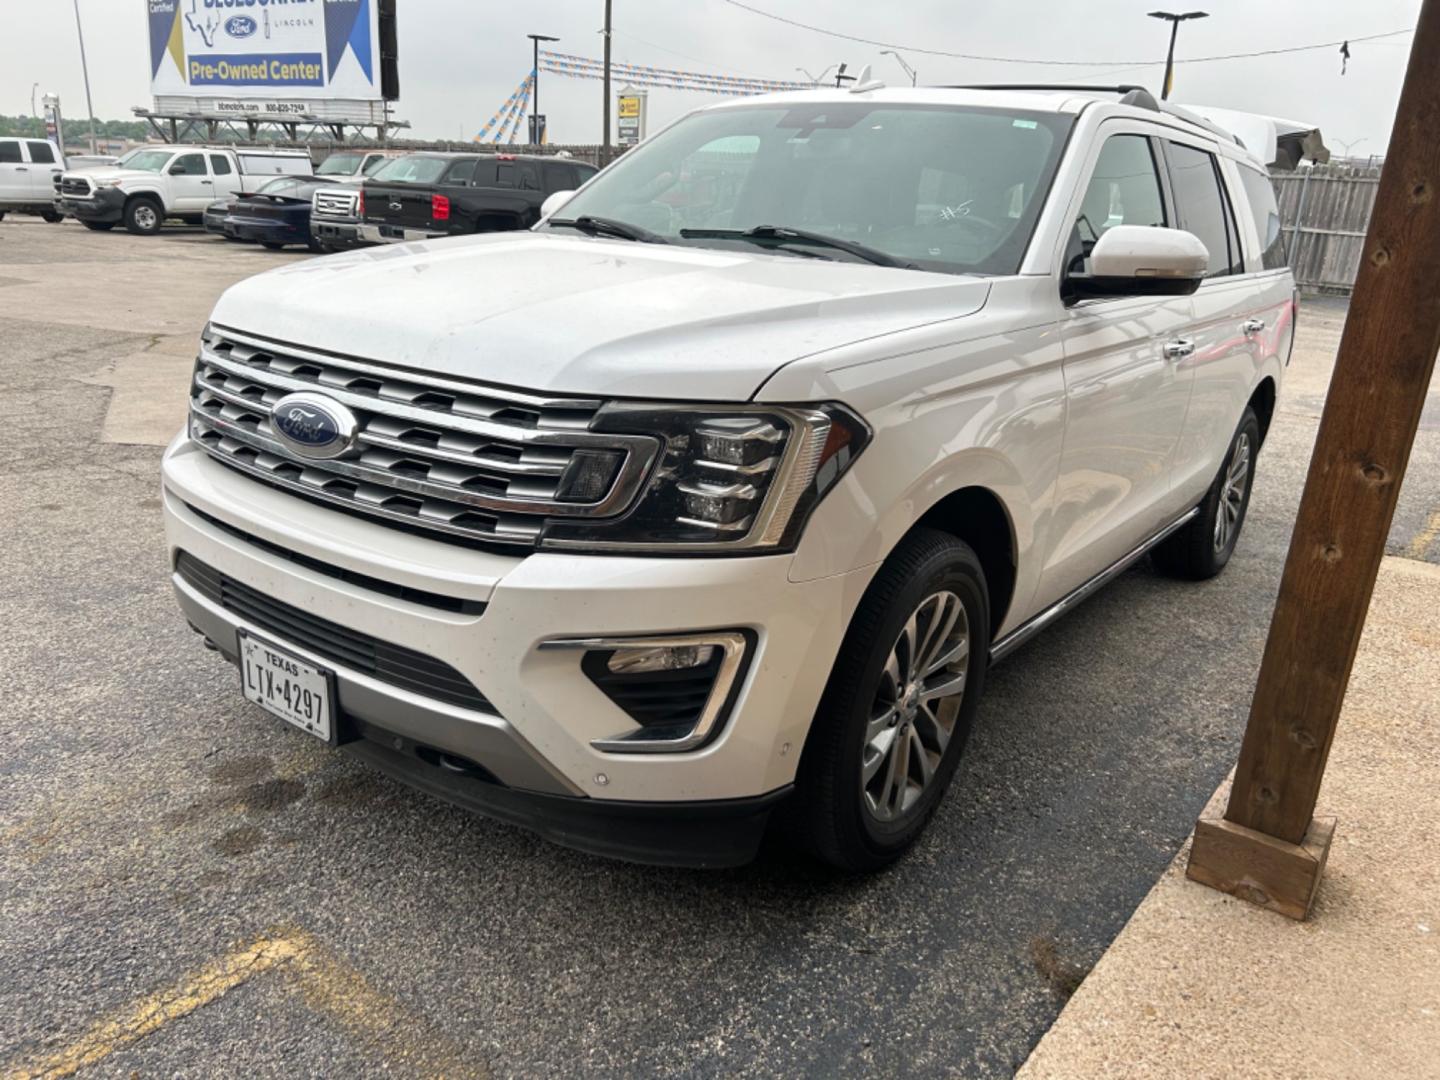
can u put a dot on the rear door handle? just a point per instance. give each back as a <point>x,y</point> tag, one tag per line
<point>1252,326</point>
<point>1174,350</point>
<point>21,168</point>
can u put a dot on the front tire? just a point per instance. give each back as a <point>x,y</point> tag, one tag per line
<point>51,217</point>
<point>144,216</point>
<point>898,709</point>
<point>1202,548</point>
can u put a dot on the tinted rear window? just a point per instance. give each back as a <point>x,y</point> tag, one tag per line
<point>1260,193</point>
<point>41,153</point>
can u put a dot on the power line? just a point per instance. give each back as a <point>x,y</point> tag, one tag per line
<point>1051,63</point>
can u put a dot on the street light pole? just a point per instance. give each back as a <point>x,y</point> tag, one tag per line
<point>537,137</point>
<point>914,75</point>
<point>1174,21</point>
<point>85,68</point>
<point>33,88</point>
<point>605,148</point>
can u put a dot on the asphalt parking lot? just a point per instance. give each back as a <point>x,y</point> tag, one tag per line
<point>190,888</point>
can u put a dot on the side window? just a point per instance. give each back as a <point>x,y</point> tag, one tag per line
<point>1203,209</point>
<point>559,178</point>
<point>1260,194</point>
<point>41,153</point>
<point>583,173</point>
<point>220,165</point>
<point>460,174</point>
<point>528,180</point>
<point>373,164</point>
<point>9,151</point>
<point>188,165</point>
<point>505,176</point>
<point>1124,189</point>
<point>485,173</point>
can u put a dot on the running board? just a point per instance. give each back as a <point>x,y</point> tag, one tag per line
<point>1024,632</point>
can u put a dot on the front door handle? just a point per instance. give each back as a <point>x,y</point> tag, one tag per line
<point>21,168</point>
<point>1174,350</point>
<point>1252,326</point>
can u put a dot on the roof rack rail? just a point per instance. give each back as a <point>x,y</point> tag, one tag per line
<point>1130,94</point>
<point>1182,113</point>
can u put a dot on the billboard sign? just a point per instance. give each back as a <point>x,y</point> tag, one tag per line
<point>243,51</point>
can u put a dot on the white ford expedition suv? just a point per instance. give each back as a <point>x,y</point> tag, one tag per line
<point>711,499</point>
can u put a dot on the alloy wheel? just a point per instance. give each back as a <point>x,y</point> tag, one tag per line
<point>913,716</point>
<point>1232,493</point>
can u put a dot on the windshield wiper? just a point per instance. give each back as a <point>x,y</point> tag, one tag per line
<point>784,233</point>
<point>603,226</point>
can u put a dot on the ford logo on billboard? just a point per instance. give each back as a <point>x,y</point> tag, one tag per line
<point>240,26</point>
<point>313,425</point>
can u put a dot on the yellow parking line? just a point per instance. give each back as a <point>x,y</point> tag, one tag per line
<point>327,984</point>
<point>151,1013</point>
<point>1420,545</point>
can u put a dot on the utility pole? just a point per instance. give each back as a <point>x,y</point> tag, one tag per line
<point>85,68</point>
<point>537,137</point>
<point>1270,847</point>
<point>605,142</point>
<point>33,88</point>
<point>1174,21</point>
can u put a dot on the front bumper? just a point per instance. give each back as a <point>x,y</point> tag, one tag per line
<point>105,204</point>
<point>546,711</point>
<point>340,235</point>
<point>395,234</point>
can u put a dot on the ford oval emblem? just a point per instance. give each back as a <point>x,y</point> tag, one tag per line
<point>240,26</point>
<point>313,425</point>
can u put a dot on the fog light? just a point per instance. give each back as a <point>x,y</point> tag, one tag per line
<point>589,476</point>
<point>666,658</point>
<point>678,690</point>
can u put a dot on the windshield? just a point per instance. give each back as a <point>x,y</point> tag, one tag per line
<point>149,160</point>
<point>948,188</point>
<point>339,165</point>
<point>412,170</point>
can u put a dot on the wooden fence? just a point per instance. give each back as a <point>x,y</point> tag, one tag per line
<point>1324,213</point>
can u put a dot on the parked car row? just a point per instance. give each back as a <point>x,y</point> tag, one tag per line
<point>274,197</point>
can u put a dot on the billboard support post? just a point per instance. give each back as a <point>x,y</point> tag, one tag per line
<point>85,70</point>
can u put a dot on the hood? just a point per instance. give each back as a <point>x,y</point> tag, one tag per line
<point>110,172</point>
<point>574,315</point>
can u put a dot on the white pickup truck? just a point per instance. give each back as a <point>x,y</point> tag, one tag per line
<point>170,182</point>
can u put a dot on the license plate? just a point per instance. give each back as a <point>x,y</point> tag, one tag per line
<point>290,688</point>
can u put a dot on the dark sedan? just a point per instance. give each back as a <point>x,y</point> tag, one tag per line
<point>276,215</point>
<point>215,215</point>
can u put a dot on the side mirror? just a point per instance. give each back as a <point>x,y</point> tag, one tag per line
<point>554,202</point>
<point>176,170</point>
<point>1143,260</point>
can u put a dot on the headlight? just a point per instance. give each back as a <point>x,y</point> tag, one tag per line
<point>728,479</point>
<point>112,182</point>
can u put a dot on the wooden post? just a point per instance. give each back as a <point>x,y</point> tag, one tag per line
<point>1269,848</point>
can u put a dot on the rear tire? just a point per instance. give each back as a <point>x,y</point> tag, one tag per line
<point>144,216</point>
<point>884,743</point>
<point>99,226</point>
<point>51,217</point>
<point>268,246</point>
<point>1202,548</point>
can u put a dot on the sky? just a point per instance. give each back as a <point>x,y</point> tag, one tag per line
<point>459,59</point>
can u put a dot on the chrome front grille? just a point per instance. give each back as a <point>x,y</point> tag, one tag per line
<point>430,452</point>
<point>335,203</point>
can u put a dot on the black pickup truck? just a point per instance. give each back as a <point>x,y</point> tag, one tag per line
<point>429,195</point>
